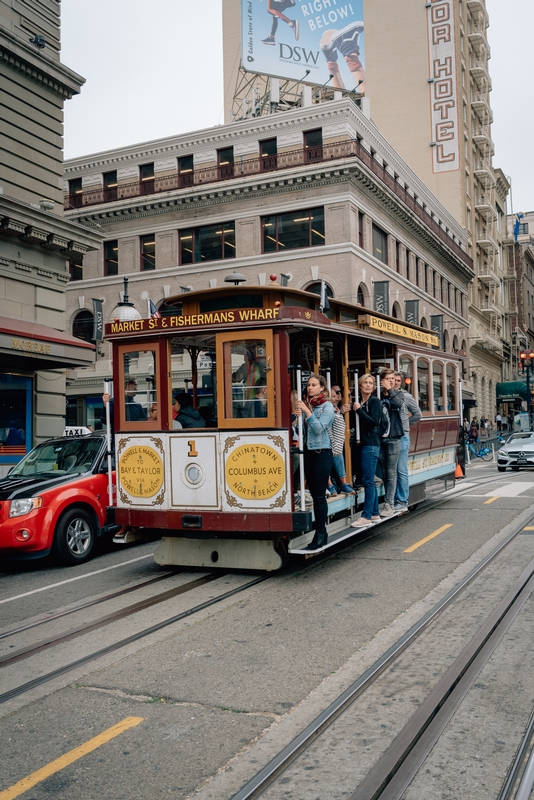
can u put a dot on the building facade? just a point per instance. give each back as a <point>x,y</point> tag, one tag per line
<point>314,194</point>
<point>35,239</point>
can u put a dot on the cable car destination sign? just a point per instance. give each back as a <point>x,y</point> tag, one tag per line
<point>202,319</point>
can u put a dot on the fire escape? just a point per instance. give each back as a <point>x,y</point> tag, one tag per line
<point>487,335</point>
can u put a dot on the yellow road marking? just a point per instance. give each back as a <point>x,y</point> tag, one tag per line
<point>529,528</point>
<point>487,502</point>
<point>63,761</point>
<point>413,547</point>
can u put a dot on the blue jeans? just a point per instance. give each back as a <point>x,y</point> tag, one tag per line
<point>403,482</point>
<point>369,457</point>
<point>389,456</point>
<point>317,469</point>
<point>339,466</point>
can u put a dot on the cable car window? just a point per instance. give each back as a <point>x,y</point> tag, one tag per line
<point>437,386</point>
<point>244,364</point>
<point>422,384</point>
<point>139,376</point>
<point>245,379</point>
<point>451,387</point>
<point>406,368</point>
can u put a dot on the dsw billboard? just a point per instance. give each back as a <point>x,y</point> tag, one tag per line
<point>284,38</point>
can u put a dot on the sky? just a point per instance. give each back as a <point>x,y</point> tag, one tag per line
<point>154,69</point>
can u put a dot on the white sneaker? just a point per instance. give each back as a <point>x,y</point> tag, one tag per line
<point>387,510</point>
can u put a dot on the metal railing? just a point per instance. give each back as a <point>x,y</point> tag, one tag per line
<point>344,149</point>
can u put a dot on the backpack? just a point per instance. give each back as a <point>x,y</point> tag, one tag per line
<point>337,434</point>
<point>384,425</point>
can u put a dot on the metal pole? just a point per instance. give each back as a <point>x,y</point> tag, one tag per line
<point>357,400</point>
<point>528,393</point>
<point>301,440</point>
<point>108,444</point>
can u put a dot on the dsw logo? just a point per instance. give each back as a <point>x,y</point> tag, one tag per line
<point>298,54</point>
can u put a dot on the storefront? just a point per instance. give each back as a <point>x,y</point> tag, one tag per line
<point>33,359</point>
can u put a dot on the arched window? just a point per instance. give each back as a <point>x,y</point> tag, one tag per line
<point>437,386</point>
<point>82,326</point>
<point>423,386</point>
<point>362,295</point>
<point>424,323</point>
<point>451,382</point>
<point>406,368</point>
<point>455,344</point>
<point>446,341</point>
<point>396,311</point>
<point>316,288</point>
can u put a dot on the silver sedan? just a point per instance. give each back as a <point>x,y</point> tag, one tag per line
<point>517,452</point>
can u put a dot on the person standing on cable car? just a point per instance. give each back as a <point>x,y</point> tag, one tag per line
<point>391,444</point>
<point>318,416</point>
<point>369,411</point>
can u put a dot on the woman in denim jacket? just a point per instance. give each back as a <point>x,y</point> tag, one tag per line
<point>318,415</point>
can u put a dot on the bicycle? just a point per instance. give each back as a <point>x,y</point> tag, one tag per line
<point>485,453</point>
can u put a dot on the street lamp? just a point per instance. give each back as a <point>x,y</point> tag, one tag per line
<point>526,359</point>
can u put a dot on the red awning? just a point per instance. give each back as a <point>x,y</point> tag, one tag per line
<point>31,346</point>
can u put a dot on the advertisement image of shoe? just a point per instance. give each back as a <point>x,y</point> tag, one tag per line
<point>295,27</point>
<point>268,40</point>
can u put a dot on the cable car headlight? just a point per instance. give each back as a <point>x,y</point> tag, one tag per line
<point>23,506</point>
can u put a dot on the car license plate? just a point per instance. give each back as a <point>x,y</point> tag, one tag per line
<point>522,461</point>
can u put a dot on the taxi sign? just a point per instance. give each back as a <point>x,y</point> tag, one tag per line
<point>74,430</point>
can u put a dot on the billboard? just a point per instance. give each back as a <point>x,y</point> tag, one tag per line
<point>305,40</point>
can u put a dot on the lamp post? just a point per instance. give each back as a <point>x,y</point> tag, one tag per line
<point>526,359</point>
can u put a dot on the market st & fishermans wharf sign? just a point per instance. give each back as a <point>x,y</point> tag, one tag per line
<point>232,316</point>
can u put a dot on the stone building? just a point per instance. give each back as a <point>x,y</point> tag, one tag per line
<point>316,193</point>
<point>35,238</point>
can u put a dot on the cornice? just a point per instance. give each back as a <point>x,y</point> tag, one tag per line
<point>38,67</point>
<point>341,112</point>
<point>35,226</point>
<point>261,187</point>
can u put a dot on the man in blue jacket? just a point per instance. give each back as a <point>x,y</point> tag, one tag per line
<point>390,449</point>
<point>410,414</point>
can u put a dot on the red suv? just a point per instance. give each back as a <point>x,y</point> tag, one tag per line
<point>55,500</point>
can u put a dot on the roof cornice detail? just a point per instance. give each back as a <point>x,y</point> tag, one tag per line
<point>38,67</point>
<point>337,112</point>
<point>262,187</point>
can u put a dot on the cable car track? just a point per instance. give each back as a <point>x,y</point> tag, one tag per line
<point>15,692</point>
<point>404,755</point>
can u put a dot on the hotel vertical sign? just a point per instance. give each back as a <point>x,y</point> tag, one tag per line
<point>443,90</point>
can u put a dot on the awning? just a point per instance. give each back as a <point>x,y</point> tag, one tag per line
<point>469,402</point>
<point>512,390</point>
<point>30,347</point>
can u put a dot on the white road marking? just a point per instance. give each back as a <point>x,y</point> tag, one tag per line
<point>77,578</point>
<point>511,489</point>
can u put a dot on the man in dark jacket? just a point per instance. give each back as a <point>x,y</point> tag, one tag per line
<point>186,415</point>
<point>391,445</point>
<point>410,414</point>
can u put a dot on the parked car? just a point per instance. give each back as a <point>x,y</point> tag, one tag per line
<point>55,500</point>
<point>517,452</point>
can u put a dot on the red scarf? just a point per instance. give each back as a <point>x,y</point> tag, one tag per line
<point>319,399</point>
